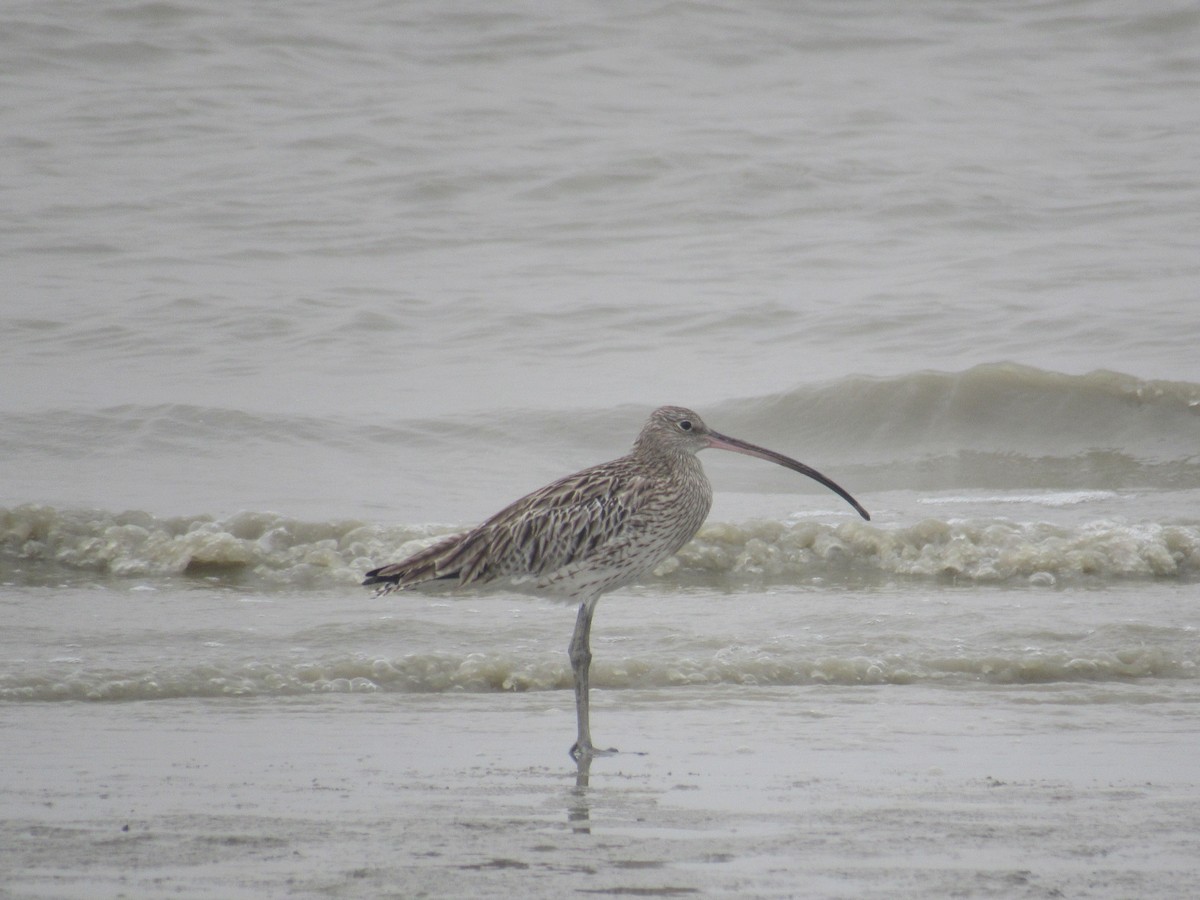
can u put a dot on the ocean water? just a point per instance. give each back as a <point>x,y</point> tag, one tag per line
<point>291,288</point>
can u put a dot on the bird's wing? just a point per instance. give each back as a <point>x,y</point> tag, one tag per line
<point>562,523</point>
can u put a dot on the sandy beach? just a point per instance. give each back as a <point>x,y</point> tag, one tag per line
<point>754,792</point>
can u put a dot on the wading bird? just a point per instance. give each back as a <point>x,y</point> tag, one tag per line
<point>589,533</point>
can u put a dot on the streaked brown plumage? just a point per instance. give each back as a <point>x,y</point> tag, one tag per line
<point>593,531</point>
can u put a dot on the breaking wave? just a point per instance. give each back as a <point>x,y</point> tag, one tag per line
<point>45,545</point>
<point>1121,659</point>
<point>999,426</point>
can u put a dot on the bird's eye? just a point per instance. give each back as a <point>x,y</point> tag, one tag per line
<point>685,425</point>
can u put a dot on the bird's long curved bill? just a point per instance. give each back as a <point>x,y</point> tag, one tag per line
<point>721,442</point>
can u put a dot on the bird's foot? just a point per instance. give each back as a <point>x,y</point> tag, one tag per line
<point>587,751</point>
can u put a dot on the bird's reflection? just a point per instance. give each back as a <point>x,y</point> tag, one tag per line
<point>579,810</point>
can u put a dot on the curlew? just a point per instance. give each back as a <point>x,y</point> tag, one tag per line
<point>589,533</point>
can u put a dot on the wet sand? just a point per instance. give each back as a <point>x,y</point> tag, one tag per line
<point>847,792</point>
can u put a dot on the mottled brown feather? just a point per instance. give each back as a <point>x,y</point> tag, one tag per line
<point>592,515</point>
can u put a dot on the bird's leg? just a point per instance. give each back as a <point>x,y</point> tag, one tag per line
<point>580,653</point>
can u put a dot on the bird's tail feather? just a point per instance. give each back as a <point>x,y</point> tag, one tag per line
<point>429,564</point>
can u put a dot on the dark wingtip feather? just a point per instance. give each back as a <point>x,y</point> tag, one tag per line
<point>373,577</point>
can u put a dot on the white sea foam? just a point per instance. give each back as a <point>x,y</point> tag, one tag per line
<point>212,669</point>
<point>38,544</point>
<point>1048,498</point>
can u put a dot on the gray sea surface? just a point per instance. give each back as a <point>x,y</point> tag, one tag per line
<point>292,288</point>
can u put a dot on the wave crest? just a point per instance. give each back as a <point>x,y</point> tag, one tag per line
<point>40,545</point>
